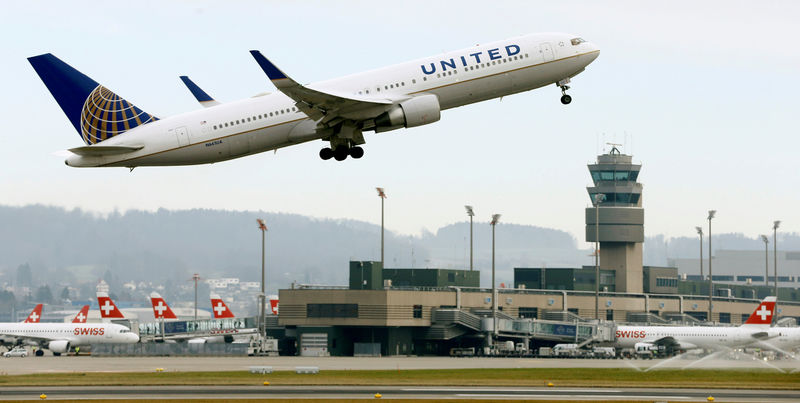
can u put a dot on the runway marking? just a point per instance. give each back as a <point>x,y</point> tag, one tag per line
<point>515,390</point>
<point>582,397</point>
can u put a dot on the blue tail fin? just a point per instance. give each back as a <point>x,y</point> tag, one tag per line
<point>95,112</point>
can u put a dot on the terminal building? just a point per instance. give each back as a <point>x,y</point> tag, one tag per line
<point>385,311</point>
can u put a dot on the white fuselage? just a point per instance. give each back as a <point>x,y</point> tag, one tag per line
<point>689,337</point>
<point>77,334</point>
<point>272,121</point>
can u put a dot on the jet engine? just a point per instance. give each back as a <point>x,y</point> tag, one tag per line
<point>413,112</point>
<point>58,346</point>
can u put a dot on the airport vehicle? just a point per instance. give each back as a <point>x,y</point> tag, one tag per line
<point>117,133</point>
<point>16,352</point>
<point>35,316</point>
<point>60,337</point>
<point>108,309</point>
<point>643,338</point>
<point>566,350</point>
<point>160,308</point>
<point>603,352</point>
<point>81,316</point>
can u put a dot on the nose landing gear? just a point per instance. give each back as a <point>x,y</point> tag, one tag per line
<point>565,99</point>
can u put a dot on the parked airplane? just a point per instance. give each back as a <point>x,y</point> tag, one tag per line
<point>35,316</point>
<point>160,308</point>
<point>60,337</point>
<point>108,309</point>
<point>756,328</point>
<point>82,315</point>
<point>119,134</point>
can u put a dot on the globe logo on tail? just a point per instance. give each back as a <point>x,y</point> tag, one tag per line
<point>105,115</point>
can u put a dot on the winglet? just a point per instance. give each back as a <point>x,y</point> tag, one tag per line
<point>198,93</point>
<point>270,69</point>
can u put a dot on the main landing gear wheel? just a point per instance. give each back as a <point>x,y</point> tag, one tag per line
<point>326,153</point>
<point>566,99</point>
<point>356,152</point>
<point>39,353</point>
<point>341,152</point>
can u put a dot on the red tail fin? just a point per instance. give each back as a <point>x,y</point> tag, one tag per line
<point>763,314</point>
<point>82,315</point>
<point>219,308</point>
<point>273,304</point>
<point>35,316</point>
<point>108,310</point>
<point>160,308</point>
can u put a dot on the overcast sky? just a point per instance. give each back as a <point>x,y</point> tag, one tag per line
<point>703,94</point>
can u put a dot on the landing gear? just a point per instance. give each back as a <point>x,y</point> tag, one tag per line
<point>356,152</point>
<point>39,353</point>
<point>326,153</point>
<point>341,152</point>
<point>565,99</point>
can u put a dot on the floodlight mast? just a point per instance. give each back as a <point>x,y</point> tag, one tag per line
<point>700,232</point>
<point>262,316</point>
<point>471,214</point>
<point>766,259</point>
<point>711,214</point>
<point>775,226</point>
<point>495,220</point>
<point>382,195</point>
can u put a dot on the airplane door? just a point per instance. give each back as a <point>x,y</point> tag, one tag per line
<point>547,51</point>
<point>182,135</point>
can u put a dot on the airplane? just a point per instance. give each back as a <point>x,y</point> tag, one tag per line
<point>160,308</point>
<point>117,133</point>
<point>108,309</point>
<point>60,337</point>
<point>35,316</point>
<point>755,329</point>
<point>82,315</point>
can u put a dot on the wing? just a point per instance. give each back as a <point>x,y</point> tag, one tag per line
<point>198,93</point>
<point>319,104</point>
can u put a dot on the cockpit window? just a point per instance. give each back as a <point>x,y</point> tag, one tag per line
<point>577,41</point>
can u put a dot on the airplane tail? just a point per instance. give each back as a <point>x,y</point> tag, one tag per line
<point>160,308</point>
<point>762,316</point>
<point>108,309</point>
<point>273,304</point>
<point>219,308</point>
<point>35,316</point>
<point>82,315</point>
<point>96,113</point>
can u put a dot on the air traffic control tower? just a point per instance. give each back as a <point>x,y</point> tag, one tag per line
<point>621,218</point>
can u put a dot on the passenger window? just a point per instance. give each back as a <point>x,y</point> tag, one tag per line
<point>413,81</point>
<point>391,85</point>
<point>424,78</point>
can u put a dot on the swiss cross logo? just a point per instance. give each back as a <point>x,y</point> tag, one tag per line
<point>34,317</point>
<point>220,308</point>
<point>160,308</point>
<point>81,317</point>
<point>763,312</point>
<point>107,307</point>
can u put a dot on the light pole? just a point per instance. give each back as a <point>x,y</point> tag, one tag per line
<point>471,214</point>
<point>382,195</point>
<point>262,320</point>
<point>700,232</point>
<point>598,198</point>
<point>711,214</point>
<point>495,219</point>
<point>775,226</point>
<point>195,277</point>
<point>766,259</point>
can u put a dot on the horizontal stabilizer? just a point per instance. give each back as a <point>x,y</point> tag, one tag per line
<point>100,151</point>
<point>198,93</point>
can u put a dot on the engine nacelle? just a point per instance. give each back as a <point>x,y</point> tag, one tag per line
<point>58,346</point>
<point>413,112</point>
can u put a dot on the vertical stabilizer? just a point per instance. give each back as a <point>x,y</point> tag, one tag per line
<point>219,308</point>
<point>35,316</point>
<point>160,308</point>
<point>108,309</point>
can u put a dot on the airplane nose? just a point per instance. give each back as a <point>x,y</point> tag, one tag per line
<point>134,338</point>
<point>593,51</point>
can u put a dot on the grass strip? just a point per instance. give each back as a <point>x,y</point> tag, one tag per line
<point>594,377</point>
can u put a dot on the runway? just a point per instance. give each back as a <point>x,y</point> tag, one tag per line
<point>50,364</point>
<point>389,392</point>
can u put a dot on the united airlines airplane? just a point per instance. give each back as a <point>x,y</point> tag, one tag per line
<point>119,134</point>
